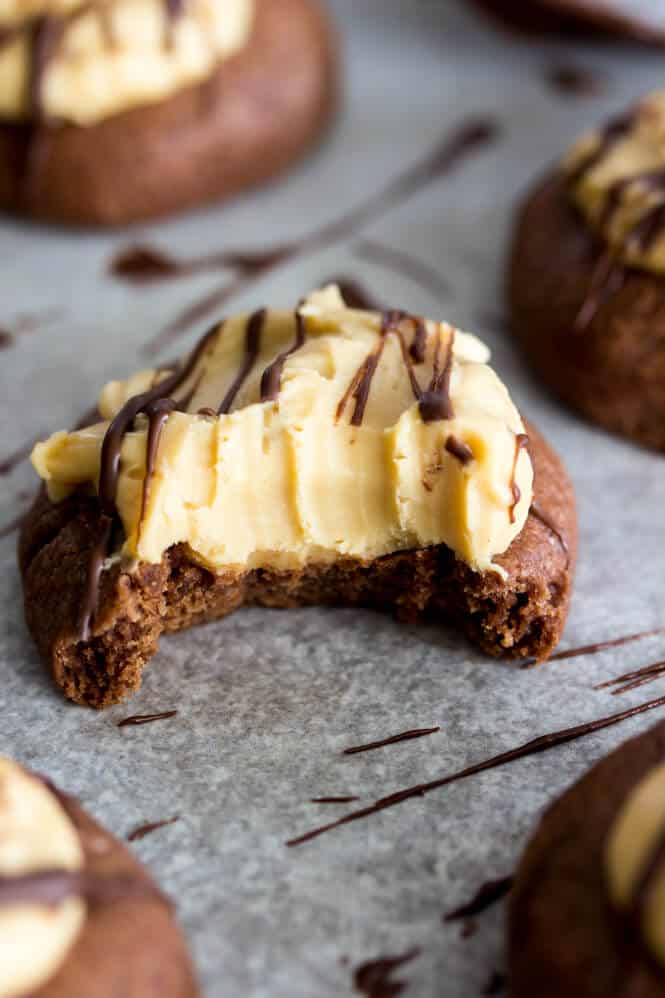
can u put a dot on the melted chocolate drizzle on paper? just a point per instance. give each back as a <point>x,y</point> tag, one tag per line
<point>149,827</point>
<point>374,978</point>
<point>392,740</point>
<point>536,745</point>
<point>488,894</point>
<point>138,719</point>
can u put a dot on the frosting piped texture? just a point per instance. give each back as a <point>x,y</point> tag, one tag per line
<point>35,835</point>
<point>66,60</point>
<point>616,178</point>
<point>300,437</point>
<point>635,859</point>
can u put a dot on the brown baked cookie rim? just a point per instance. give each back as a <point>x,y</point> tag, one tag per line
<point>131,945</point>
<point>248,121</point>
<point>614,379</point>
<point>563,934</point>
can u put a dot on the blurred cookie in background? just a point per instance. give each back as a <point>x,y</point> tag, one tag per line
<point>117,110</point>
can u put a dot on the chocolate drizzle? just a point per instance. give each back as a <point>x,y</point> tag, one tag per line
<point>575,81</point>
<point>600,646</point>
<point>404,736</point>
<point>610,273</point>
<point>272,376</point>
<point>487,894</point>
<point>374,978</point>
<point>137,719</point>
<point>521,443</point>
<point>459,449</point>
<point>419,342</point>
<point>110,469</point>
<point>435,402</point>
<point>255,325</point>
<point>616,129</point>
<point>360,385</point>
<point>46,33</point>
<point>632,680</point>
<point>533,747</point>
<point>51,887</point>
<point>496,983</point>
<point>149,827</point>
<point>354,294</point>
<point>157,412</point>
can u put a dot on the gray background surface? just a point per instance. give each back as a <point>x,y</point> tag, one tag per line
<point>267,700</point>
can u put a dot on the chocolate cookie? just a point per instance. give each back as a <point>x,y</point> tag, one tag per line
<point>271,536</point>
<point>252,116</point>
<point>632,19</point>
<point>83,916</point>
<point>585,909</point>
<point>588,308</point>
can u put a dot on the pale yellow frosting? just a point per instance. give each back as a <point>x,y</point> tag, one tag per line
<point>35,834</point>
<point>118,54</point>
<point>641,150</point>
<point>637,831</point>
<point>291,481</point>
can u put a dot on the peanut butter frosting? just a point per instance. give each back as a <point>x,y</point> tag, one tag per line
<point>635,859</point>
<point>616,179</point>
<point>80,62</point>
<point>35,836</point>
<point>297,437</point>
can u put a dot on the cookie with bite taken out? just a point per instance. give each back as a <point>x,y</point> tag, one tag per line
<point>319,455</point>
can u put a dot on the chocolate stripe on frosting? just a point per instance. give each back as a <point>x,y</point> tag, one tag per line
<point>255,325</point>
<point>272,376</point>
<point>615,130</point>
<point>610,272</point>
<point>435,403</point>
<point>110,468</point>
<point>157,412</point>
<point>521,442</point>
<point>51,887</point>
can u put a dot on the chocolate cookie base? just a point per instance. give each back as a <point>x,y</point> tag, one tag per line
<point>613,371</point>
<point>523,615</point>
<point>564,938</point>
<point>566,17</point>
<point>257,114</point>
<point>130,946</point>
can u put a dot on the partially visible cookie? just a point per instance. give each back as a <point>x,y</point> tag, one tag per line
<point>322,455</point>
<point>586,281</point>
<point>79,916</point>
<point>587,911</point>
<point>140,108</point>
<point>638,20</point>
